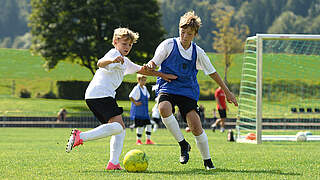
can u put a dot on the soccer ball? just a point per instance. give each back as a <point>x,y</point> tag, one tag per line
<point>301,136</point>
<point>135,161</point>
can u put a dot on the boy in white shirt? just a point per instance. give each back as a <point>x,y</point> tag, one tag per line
<point>139,109</point>
<point>100,95</point>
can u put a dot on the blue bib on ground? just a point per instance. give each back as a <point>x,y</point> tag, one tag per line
<point>140,112</point>
<point>186,84</point>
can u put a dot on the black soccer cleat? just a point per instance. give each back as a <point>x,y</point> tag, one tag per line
<point>208,165</point>
<point>184,157</point>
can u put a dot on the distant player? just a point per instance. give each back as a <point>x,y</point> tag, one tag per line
<point>139,109</point>
<point>182,57</point>
<point>220,97</point>
<point>100,96</point>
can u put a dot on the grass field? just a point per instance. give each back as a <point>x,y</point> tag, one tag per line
<point>28,72</point>
<point>39,153</point>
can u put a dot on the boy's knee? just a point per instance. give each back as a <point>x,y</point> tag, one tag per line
<point>165,110</point>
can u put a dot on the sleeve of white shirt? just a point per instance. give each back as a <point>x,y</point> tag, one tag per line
<point>162,51</point>
<point>204,63</point>
<point>135,93</point>
<point>110,55</point>
<point>131,67</point>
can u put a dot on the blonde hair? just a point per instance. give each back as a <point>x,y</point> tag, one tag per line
<point>190,19</point>
<point>140,76</point>
<point>125,33</point>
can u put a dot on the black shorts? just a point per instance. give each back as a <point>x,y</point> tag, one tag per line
<point>104,108</point>
<point>156,120</point>
<point>141,122</point>
<point>222,113</point>
<point>184,103</point>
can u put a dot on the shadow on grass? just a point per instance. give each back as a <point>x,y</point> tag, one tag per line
<point>278,172</point>
<point>192,172</point>
<point>163,145</point>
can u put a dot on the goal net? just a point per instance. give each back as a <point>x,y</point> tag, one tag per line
<point>280,88</point>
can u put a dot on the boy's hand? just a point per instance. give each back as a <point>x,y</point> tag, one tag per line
<point>168,77</point>
<point>119,59</point>
<point>231,98</point>
<point>137,103</point>
<point>150,66</point>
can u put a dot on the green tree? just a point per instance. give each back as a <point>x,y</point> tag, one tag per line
<point>13,15</point>
<point>228,40</point>
<point>173,10</point>
<point>288,23</point>
<point>81,30</point>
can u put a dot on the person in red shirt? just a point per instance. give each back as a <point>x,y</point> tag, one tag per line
<point>222,108</point>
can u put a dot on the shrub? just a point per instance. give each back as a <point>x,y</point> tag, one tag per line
<point>24,93</point>
<point>49,95</point>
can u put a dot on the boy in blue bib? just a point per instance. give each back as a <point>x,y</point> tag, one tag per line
<point>183,58</point>
<point>139,109</point>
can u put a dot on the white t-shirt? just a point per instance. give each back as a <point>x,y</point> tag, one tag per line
<point>107,79</point>
<point>165,48</point>
<point>135,93</point>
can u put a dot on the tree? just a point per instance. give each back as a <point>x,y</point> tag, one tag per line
<point>288,23</point>
<point>81,31</point>
<point>228,40</point>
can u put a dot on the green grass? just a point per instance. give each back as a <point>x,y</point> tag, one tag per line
<point>39,153</point>
<point>28,72</point>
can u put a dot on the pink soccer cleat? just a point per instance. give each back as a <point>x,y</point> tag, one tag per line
<point>74,140</point>
<point>149,141</point>
<point>111,166</point>
<point>138,142</point>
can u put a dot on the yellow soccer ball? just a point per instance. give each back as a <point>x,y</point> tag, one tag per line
<point>135,161</point>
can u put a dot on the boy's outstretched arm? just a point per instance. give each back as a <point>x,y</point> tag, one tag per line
<point>148,72</point>
<point>230,97</point>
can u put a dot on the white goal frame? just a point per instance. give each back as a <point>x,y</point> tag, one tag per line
<point>259,60</point>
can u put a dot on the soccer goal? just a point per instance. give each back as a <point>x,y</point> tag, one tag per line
<point>280,88</point>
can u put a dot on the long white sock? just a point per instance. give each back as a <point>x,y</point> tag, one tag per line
<point>102,131</point>
<point>139,131</point>
<point>203,146</point>
<point>172,124</point>
<point>116,145</point>
<point>148,129</point>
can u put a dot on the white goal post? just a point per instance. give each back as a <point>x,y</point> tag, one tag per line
<point>271,98</point>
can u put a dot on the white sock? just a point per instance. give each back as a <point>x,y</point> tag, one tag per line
<point>203,146</point>
<point>148,129</point>
<point>172,124</point>
<point>155,127</point>
<point>116,145</point>
<point>139,131</point>
<point>102,131</point>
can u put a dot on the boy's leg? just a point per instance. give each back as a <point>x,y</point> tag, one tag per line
<point>148,134</point>
<point>201,138</point>
<point>77,137</point>
<point>102,131</point>
<point>172,125</point>
<point>222,124</point>
<point>139,132</point>
<point>114,127</point>
<point>116,145</point>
